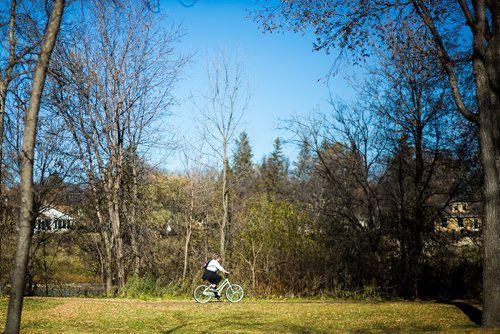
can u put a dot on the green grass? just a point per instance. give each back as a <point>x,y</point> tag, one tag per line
<point>79,315</point>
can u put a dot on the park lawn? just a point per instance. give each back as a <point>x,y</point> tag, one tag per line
<point>81,315</point>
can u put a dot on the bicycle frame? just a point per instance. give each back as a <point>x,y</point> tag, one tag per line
<point>225,283</point>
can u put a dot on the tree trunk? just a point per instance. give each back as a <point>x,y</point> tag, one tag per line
<point>189,232</point>
<point>101,263</point>
<point>186,253</point>
<point>108,270</point>
<point>412,244</point>
<point>3,99</point>
<point>225,206</point>
<point>108,259</point>
<point>133,218</point>
<point>114,194</point>
<point>487,75</point>
<point>27,216</point>
<point>490,156</point>
<point>135,250</point>
<point>117,242</point>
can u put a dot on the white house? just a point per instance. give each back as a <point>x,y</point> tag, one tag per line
<point>52,220</point>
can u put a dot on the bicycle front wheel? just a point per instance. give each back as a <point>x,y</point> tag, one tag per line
<point>234,293</point>
<point>202,294</point>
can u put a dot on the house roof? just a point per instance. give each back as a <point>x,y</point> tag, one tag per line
<point>55,214</point>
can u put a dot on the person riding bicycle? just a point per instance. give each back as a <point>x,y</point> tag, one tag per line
<point>210,273</point>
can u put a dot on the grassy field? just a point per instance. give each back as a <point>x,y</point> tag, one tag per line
<point>80,315</point>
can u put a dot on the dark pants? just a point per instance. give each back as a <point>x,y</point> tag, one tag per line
<point>211,276</point>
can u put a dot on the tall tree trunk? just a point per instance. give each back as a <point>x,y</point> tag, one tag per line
<point>225,206</point>
<point>114,191</point>
<point>3,99</point>
<point>486,64</point>
<point>418,222</point>
<point>189,231</point>
<point>490,154</point>
<point>186,252</point>
<point>133,218</point>
<point>30,125</point>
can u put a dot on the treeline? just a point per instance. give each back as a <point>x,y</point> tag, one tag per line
<point>353,214</point>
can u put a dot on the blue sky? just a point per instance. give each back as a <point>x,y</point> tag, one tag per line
<point>286,77</point>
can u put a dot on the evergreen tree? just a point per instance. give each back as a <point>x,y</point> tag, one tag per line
<point>242,166</point>
<point>275,169</point>
<point>304,165</point>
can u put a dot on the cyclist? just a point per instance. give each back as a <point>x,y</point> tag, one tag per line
<point>210,273</point>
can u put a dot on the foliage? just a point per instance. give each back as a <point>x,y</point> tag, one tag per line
<point>147,287</point>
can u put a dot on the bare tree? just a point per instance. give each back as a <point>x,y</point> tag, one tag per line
<point>115,82</point>
<point>343,185</point>
<point>414,104</point>
<point>20,43</point>
<point>30,126</point>
<point>225,102</point>
<point>195,195</point>
<point>6,76</point>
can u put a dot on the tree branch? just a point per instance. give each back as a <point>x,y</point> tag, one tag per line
<point>445,58</point>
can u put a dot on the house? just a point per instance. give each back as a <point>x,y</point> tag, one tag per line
<point>460,217</point>
<point>51,219</point>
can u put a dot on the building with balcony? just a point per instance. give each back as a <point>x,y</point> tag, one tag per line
<point>460,217</point>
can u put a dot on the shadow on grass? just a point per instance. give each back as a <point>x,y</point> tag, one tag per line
<point>475,315</point>
<point>173,330</point>
<point>248,322</point>
<point>226,324</point>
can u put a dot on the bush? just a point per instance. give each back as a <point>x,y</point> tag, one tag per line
<point>148,287</point>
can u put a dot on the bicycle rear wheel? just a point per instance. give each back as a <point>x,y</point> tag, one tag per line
<point>234,293</point>
<point>202,294</point>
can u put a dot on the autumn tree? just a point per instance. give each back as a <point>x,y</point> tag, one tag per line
<point>465,38</point>
<point>274,236</point>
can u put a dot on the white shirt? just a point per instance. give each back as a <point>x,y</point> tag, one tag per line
<point>214,265</point>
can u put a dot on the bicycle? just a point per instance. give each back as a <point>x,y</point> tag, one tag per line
<point>234,292</point>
